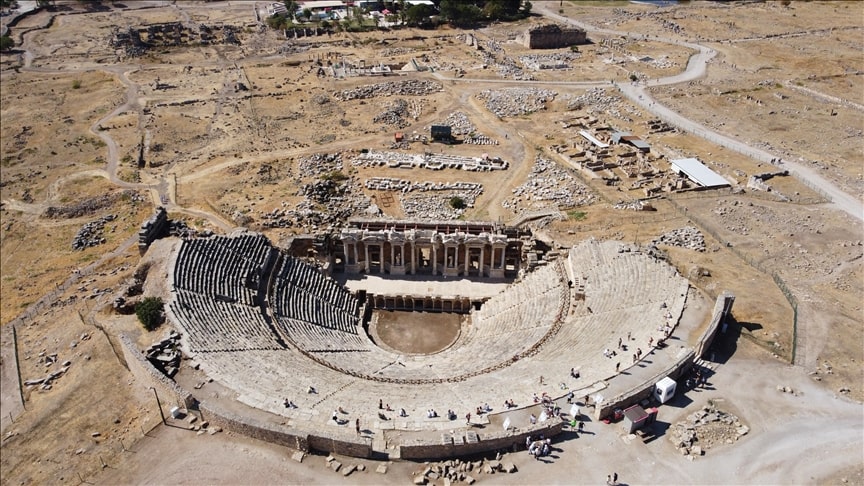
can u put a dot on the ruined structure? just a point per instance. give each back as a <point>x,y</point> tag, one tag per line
<point>451,248</point>
<point>551,36</point>
<point>154,228</point>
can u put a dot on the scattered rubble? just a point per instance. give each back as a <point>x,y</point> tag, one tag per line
<point>686,237</point>
<point>457,470</point>
<point>91,233</point>
<point>549,183</point>
<point>511,102</point>
<point>48,360</point>
<point>165,354</point>
<point>704,429</point>
<point>394,114</point>
<point>429,161</point>
<point>408,87</point>
<point>91,205</point>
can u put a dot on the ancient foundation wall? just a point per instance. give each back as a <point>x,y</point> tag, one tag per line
<point>486,441</point>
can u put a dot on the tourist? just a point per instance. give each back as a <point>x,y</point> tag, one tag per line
<point>581,426</point>
<point>617,366</point>
<point>380,404</point>
<point>614,478</point>
<point>574,373</point>
<point>486,407</point>
<point>638,353</point>
<point>342,410</point>
<point>311,389</point>
<point>532,419</point>
<point>387,407</point>
<point>468,418</point>
<point>570,396</point>
<point>650,341</point>
<point>535,398</point>
<point>357,425</point>
<point>620,341</point>
<point>479,411</point>
<point>402,412</point>
<point>335,416</point>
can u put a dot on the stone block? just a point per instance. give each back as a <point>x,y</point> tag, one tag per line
<point>420,479</point>
<point>381,469</point>
<point>298,456</point>
<point>335,465</point>
<point>509,467</point>
<point>469,479</point>
<point>348,470</point>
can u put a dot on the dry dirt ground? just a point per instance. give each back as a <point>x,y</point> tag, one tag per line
<point>75,113</point>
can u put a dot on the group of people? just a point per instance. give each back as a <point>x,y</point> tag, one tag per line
<point>508,404</point>
<point>483,409</point>
<point>538,448</point>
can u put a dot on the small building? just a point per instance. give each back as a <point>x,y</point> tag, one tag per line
<point>593,139</point>
<point>637,417</point>
<point>441,133</point>
<point>399,136</point>
<point>632,140</point>
<point>698,173</point>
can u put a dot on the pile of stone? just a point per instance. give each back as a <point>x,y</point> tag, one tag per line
<point>394,114</point>
<point>437,207</point>
<point>395,51</point>
<point>165,354</point>
<point>428,161</point>
<point>557,60</point>
<point>91,205</point>
<point>549,183</point>
<point>91,233</point>
<point>319,164</point>
<point>392,184</point>
<point>508,69</point>
<point>49,360</point>
<point>630,205</point>
<point>324,190</point>
<point>457,470</point>
<point>510,102</point>
<point>408,87</point>
<point>599,100</point>
<point>686,237</point>
<point>705,429</point>
<point>180,229</point>
<point>459,124</point>
<point>479,140</point>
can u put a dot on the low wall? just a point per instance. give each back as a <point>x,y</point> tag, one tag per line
<point>486,442</point>
<point>644,390</point>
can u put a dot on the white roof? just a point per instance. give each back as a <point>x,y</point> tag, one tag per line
<point>697,171</point>
<point>322,4</point>
<point>593,140</point>
<point>419,2</point>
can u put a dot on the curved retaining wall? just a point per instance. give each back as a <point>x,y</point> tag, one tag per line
<point>722,306</point>
<point>350,445</point>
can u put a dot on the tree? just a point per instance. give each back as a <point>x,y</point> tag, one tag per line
<point>291,6</point>
<point>149,312</point>
<point>457,202</point>
<point>6,43</point>
<point>307,14</point>
<point>418,14</point>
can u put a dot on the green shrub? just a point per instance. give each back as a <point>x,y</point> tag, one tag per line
<point>457,202</point>
<point>149,312</point>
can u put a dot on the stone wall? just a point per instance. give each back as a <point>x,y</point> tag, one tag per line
<point>721,308</point>
<point>640,392</point>
<point>170,395</point>
<point>154,228</point>
<point>486,442</point>
<point>551,36</point>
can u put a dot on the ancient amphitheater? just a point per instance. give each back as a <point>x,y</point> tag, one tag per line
<point>268,326</point>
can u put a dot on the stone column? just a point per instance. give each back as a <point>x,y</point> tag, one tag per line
<point>434,258</point>
<point>381,258</point>
<point>366,262</point>
<point>345,251</point>
<point>392,256</point>
<point>413,258</point>
<point>503,251</point>
<point>467,259</point>
<point>482,255</point>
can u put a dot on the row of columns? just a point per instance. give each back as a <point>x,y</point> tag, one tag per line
<point>451,256</point>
